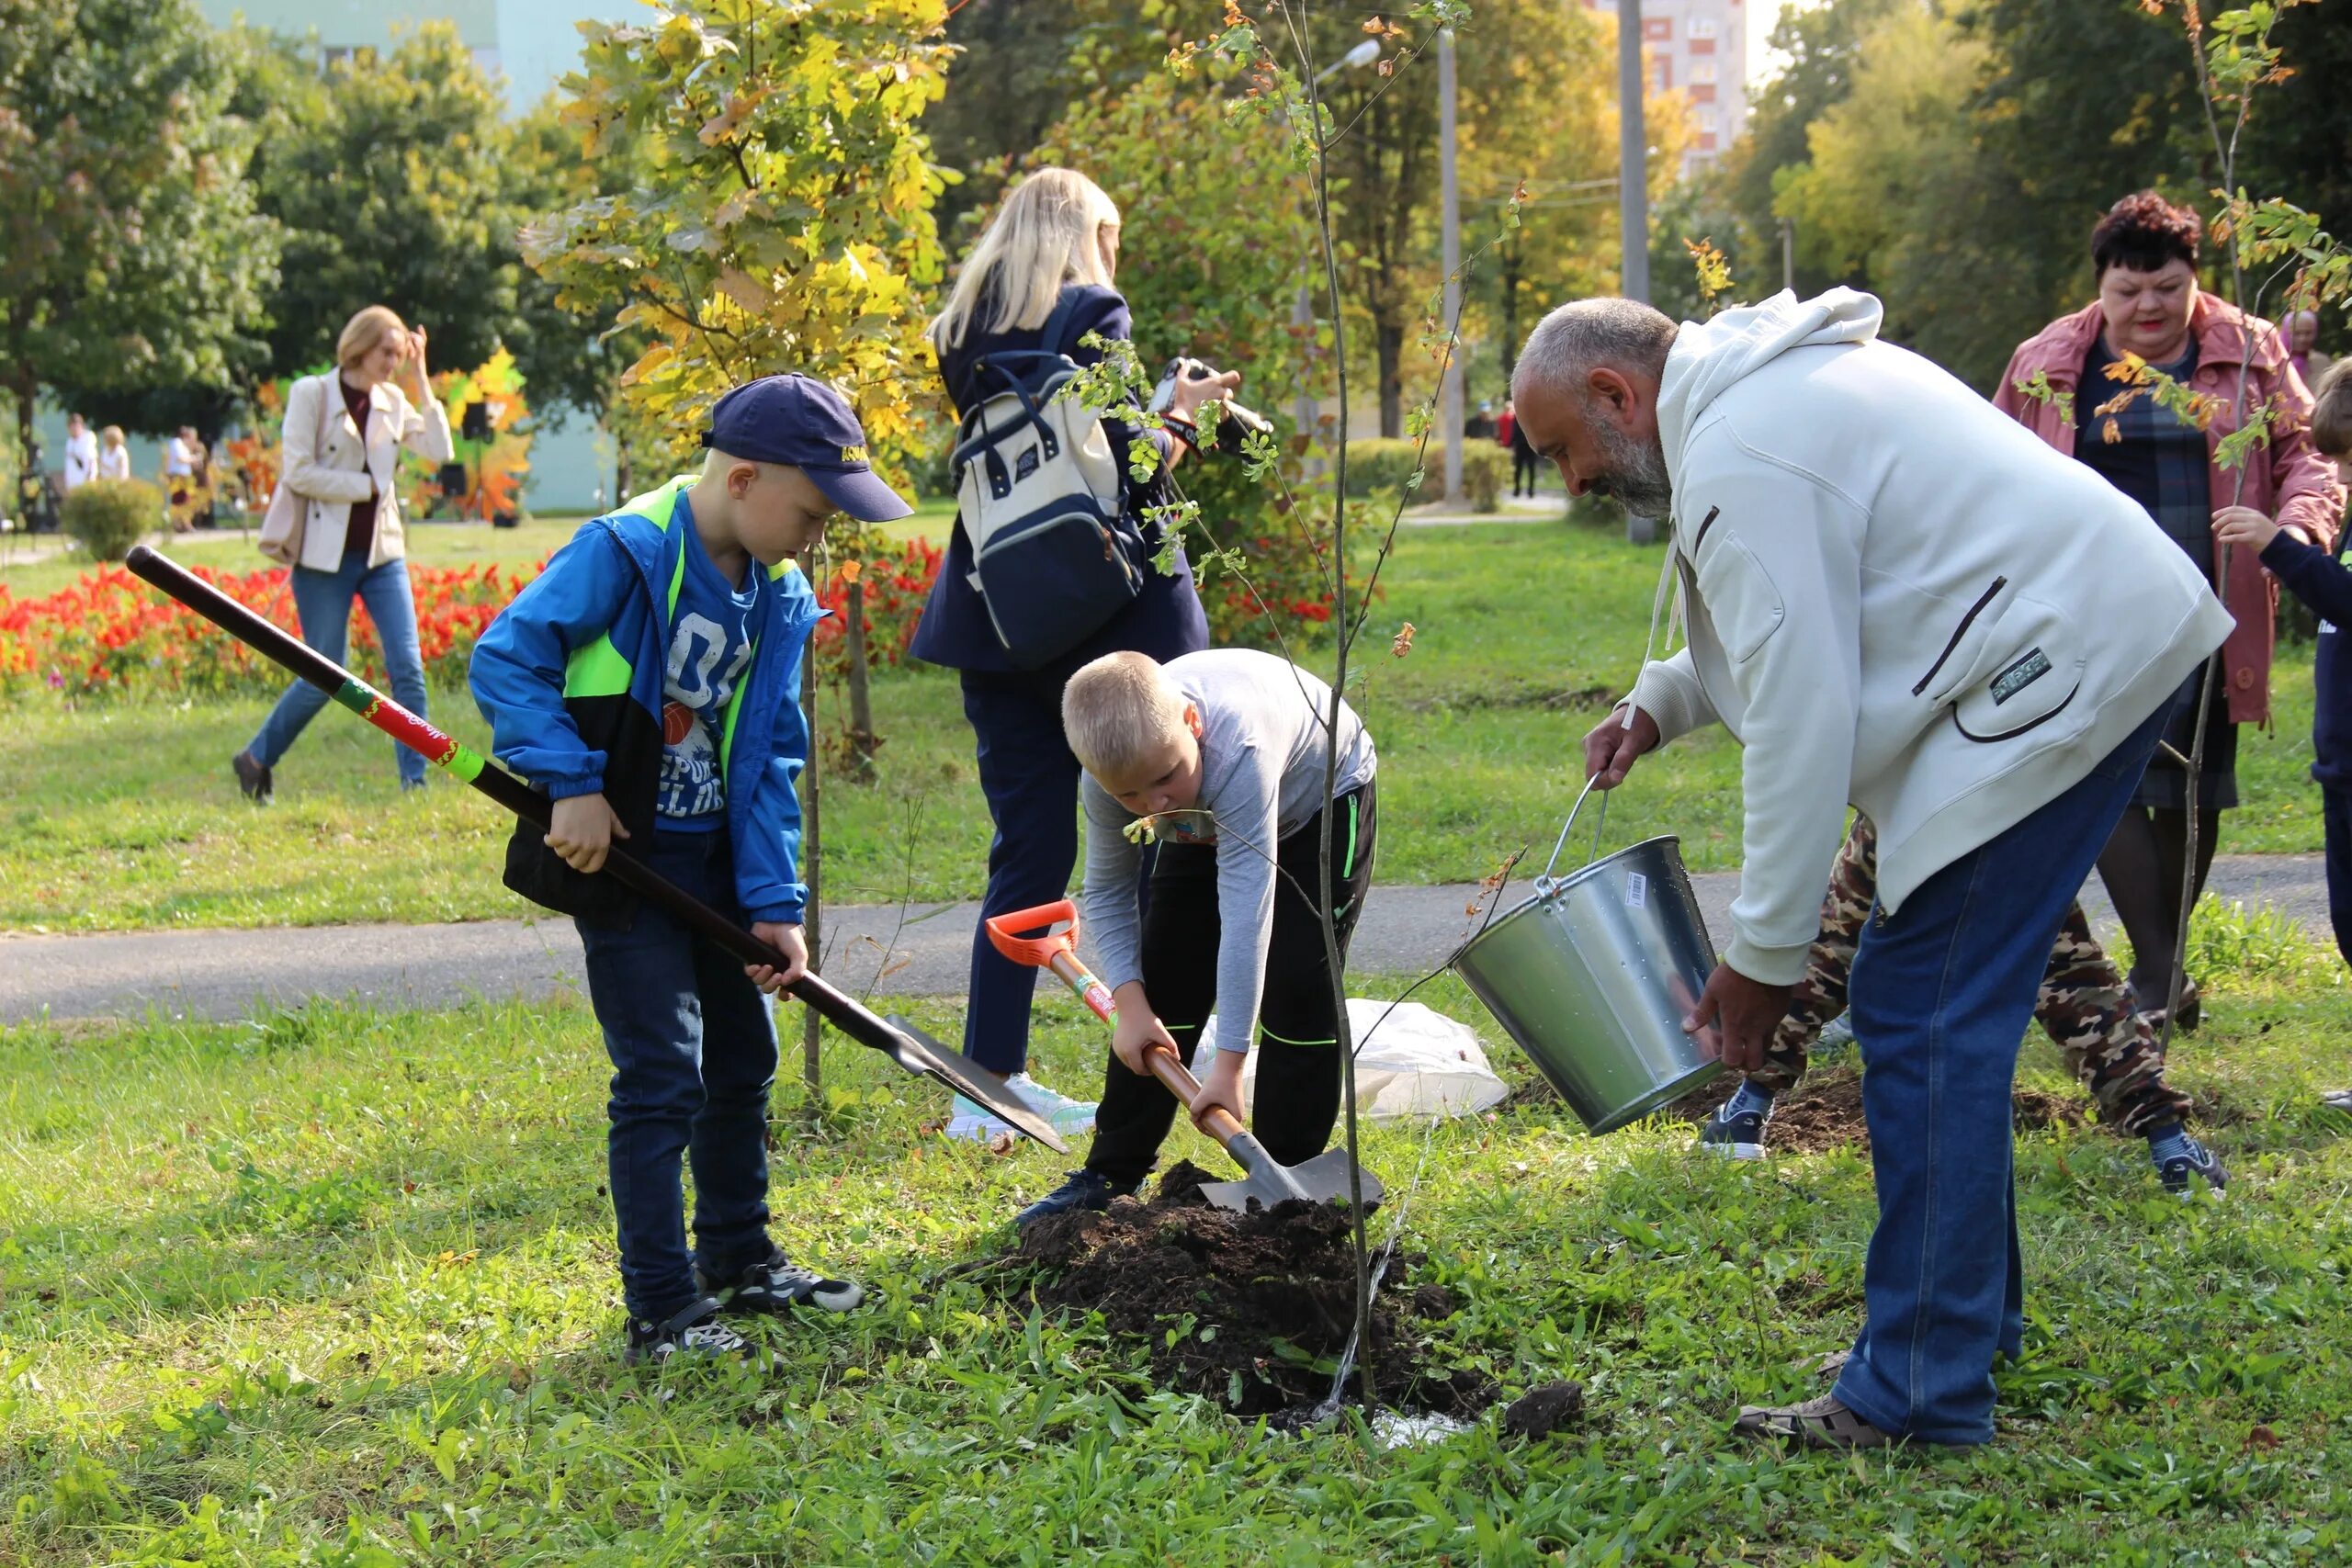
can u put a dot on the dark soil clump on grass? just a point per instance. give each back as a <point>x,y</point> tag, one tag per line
<point>1825,1111</point>
<point>1270,1294</point>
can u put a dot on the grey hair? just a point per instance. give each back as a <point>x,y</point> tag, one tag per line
<point>1571,340</point>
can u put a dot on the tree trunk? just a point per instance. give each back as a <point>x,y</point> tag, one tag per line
<point>1390,340</point>
<point>862,741</point>
<point>812,872</point>
<point>1508,254</point>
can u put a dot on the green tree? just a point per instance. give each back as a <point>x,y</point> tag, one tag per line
<point>391,182</point>
<point>133,254</point>
<point>1212,244</point>
<point>783,218</point>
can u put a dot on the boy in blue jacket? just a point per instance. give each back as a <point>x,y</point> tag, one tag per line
<point>648,680</point>
<point>2322,582</point>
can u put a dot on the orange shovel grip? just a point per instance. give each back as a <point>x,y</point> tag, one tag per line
<point>1037,952</point>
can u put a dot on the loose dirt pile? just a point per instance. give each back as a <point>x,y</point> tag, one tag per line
<point>1825,1111</point>
<point>1270,1294</point>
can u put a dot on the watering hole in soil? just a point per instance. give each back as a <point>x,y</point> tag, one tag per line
<point>1825,1111</point>
<point>1263,1301</point>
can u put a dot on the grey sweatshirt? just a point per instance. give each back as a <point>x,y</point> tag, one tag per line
<point>1261,780</point>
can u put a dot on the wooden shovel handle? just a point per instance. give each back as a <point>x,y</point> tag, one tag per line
<point>1222,1125</point>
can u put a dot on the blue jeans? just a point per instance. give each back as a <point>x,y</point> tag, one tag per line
<point>323,602</point>
<point>2335,825</point>
<point>693,1052</point>
<point>1942,994</point>
<point>1030,778</point>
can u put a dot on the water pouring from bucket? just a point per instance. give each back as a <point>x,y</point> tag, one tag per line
<point>1593,976</point>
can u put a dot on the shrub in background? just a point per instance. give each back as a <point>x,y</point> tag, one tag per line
<point>110,515</point>
<point>1485,467</point>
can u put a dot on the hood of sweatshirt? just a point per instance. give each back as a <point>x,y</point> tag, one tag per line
<point>1709,357</point>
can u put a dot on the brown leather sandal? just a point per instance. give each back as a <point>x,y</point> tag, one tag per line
<point>1821,1423</point>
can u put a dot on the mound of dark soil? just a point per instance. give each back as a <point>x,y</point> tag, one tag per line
<point>1825,1111</point>
<point>1270,1293</point>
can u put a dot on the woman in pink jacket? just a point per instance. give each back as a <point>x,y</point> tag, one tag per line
<point>2061,386</point>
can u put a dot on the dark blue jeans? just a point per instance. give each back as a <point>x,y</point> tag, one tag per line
<point>2335,823</point>
<point>1942,994</point>
<point>1030,778</point>
<point>694,1051</point>
<point>322,602</point>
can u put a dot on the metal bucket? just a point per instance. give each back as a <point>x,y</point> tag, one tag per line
<point>1593,976</point>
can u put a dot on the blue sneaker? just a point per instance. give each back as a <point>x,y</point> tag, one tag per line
<point>1084,1190</point>
<point>1735,1133</point>
<point>2178,1172</point>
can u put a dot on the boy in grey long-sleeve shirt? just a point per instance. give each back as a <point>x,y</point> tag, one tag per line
<point>1221,755</point>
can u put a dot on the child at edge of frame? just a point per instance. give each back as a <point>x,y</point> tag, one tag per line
<point>648,682</point>
<point>2321,580</point>
<point>1220,757</point>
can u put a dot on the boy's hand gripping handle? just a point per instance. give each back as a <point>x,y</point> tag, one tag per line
<point>1178,1079</point>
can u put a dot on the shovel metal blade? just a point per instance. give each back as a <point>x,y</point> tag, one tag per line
<point>919,1053</point>
<point>1323,1180</point>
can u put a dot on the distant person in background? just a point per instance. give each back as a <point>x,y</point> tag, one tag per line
<point>1523,467</point>
<point>183,455</point>
<point>2301,328</point>
<point>114,456</point>
<point>2143,257</point>
<point>1480,426</point>
<point>343,436</point>
<point>81,453</point>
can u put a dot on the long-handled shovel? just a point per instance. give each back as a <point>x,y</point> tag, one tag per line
<point>895,1038</point>
<point>1323,1180</point>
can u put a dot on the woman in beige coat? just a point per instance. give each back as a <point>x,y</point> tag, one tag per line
<point>343,436</point>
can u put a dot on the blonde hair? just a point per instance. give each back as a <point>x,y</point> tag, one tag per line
<point>364,331</point>
<point>111,436</point>
<point>1116,710</point>
<point>1047,234</point>
<point>2332,411</point>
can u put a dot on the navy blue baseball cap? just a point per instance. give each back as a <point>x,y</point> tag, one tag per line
<point>800,421</point>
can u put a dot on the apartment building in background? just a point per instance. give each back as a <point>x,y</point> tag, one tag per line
<point>1698,47</point>
<point>530,42</point>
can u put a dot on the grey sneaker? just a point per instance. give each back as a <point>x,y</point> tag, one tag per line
<point>693,1333</point>
<point>775,1287</point>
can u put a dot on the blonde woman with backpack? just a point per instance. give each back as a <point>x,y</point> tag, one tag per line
<point>1045,263</point>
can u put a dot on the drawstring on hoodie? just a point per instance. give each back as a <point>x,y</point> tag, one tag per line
<point>1666,602</point>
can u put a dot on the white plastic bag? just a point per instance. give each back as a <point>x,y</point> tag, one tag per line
<point>1416,1062</point>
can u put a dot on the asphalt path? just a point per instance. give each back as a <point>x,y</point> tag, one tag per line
<point>869,950</point>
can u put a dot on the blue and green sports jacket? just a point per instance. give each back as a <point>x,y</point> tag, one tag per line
<point>570,676</point>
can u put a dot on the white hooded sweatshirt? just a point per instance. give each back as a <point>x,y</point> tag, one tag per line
<point>1897,598</point>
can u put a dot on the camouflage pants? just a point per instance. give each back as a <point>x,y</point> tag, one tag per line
<point>2083,1003</point>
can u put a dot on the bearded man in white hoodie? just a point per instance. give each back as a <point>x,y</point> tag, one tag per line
<point>1897,599</point>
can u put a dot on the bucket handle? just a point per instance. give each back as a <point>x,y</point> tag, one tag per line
<point>1599,823</point>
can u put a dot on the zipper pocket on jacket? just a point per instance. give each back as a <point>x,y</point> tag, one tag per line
<point>1958,632</point>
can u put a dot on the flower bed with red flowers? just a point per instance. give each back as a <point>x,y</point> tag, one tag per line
<point>111,633</point>
<point>897,583</point>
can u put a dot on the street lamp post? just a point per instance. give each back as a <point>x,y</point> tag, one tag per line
<point>1450,400</point>
<point>1632,175</point>
<point>1302,312</point>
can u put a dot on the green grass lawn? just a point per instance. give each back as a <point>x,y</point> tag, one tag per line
<point>335,1286</point>
<point>122,816</point>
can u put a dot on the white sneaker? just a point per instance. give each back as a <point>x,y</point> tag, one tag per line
<point>1066,1116</point>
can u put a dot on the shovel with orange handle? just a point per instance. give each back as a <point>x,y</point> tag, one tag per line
<point>1326,1178</point>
